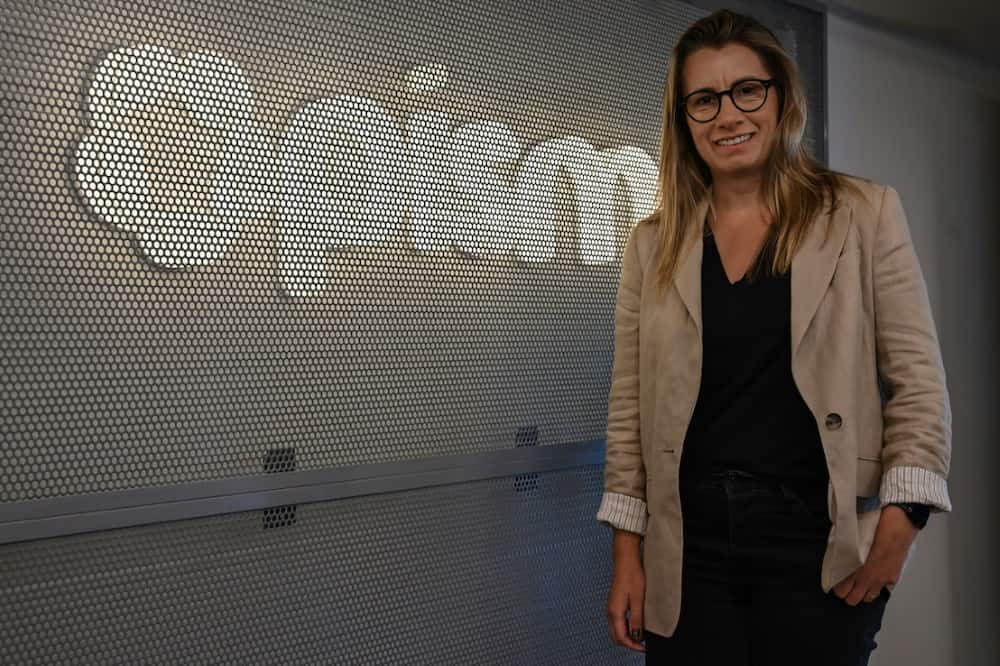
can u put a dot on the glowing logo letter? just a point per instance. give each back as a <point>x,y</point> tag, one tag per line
<point>639,172</point>
<point>142,165</point>
<point>431,173</point>
<point>341,174</point>
<point>485,199</point>
<point>536,213</point>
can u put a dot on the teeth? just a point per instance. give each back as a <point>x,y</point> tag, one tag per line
<point>734,140</point>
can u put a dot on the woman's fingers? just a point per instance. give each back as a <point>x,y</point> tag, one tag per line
<point>635,622</point>
<point>843,588</point>
<point>616,623</point>
<point>857,587</point>
<point>620,631</point>
<point>625,599</point>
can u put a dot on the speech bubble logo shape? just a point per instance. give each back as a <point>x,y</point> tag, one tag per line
<point>173,155</point>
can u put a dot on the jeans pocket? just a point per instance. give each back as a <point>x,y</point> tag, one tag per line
<point>812,511</point>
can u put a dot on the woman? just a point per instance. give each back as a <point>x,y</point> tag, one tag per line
<point>772,324</point>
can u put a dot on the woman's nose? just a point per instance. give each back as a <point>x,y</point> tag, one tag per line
<point>728,109</point>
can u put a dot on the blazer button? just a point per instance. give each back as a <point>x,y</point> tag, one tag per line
<point>833,421</point>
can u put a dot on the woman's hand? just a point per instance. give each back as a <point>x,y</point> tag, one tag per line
<point>893,538</point>
<point>627,593</point>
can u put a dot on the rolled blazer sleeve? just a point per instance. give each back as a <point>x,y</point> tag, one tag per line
<point>623,504</point>
<point>916,445</point>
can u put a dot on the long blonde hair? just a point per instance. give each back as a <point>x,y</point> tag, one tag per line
<point>796,186</point>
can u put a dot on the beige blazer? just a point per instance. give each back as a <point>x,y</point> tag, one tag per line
<point>860,318</point>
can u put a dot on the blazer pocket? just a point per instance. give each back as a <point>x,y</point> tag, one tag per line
<point>869,478</point>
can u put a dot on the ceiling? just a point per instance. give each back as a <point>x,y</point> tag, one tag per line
<point>968,27</point>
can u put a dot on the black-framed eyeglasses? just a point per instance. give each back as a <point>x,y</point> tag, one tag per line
<point>703,106</point>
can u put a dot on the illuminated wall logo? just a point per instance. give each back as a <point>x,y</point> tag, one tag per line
<point>174,157</point>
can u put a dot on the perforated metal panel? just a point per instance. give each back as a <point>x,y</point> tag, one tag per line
<point>492,572</point>
<point>368,231</point>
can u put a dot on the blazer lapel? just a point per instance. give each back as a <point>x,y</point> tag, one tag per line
<point>813,267</point>
<point>687,279</point>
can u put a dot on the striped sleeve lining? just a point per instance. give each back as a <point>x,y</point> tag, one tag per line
<point>623,512</point>
<point>917,485</point>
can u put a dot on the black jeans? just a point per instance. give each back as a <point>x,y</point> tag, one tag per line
<point>751,592</point>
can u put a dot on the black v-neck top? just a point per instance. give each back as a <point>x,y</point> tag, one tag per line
<point>749,414</point>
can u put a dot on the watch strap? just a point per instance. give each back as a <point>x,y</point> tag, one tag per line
<point>917,513</point>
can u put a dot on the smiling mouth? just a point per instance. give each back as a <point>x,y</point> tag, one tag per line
<point>734,140</point>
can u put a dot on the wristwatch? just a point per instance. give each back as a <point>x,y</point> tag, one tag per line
<point>917,513</point>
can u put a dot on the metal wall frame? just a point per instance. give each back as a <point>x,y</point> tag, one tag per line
<point>59,516</point>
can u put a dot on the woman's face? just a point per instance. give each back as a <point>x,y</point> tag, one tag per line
<point>718,70</point>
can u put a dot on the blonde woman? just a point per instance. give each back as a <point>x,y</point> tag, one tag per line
<point>779,426</point>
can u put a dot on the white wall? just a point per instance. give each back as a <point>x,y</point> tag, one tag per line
<point>928,123</point>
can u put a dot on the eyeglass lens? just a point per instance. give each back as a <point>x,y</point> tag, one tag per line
<point>747,96</point>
